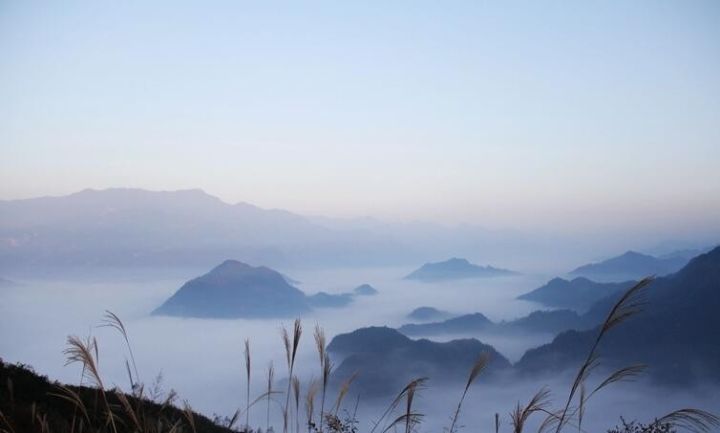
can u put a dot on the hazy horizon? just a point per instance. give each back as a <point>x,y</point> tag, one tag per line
<point>530,116</point>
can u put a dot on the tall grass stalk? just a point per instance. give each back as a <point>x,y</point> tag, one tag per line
<point>270,380</point>
<point>477,368</point>
<point>87,353</point>
<point>247,389</point>
<point>296,395</point>
<point>291,347</point>
<point>111,320</point>
<point>325,367</point>
<point>628,305</point>
<point>310,404</point>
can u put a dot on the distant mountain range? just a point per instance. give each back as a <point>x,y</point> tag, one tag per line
<point>677,334</point>
<point>633,265</point>
<point>577,294</point>
<point>386,360</point>
<point>425,314</point>
<point>454,269</point>
<point>125,227</point>
<point>235,289</point>
<point>538,321</point>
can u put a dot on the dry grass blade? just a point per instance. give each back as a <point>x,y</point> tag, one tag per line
<point>290,354</point>
<point>477,368</point>
<point>169,400</point>
<point>125,403</point>
<point>79,351</point>
<point>319,336</point>
<point>111,320</point>
<point>325,367</point>
<point>550,420</point>
<point>297,332</point>
<point>270,380</point>
<point>581,406</point>
<point>82,352</point>
<point>7,423</point>
<point>407,419</point>
<point>310,403</point>
<point>623,374</point>
<point>247,389</point>
<point>408,407</point>
<point>414,384</point>
<point>694,420</point>
<point>174,428</point>
<point>188,414</point>
<point>72,397</point>
<point>344,389</point>
<point>520,415</point>
<point>286,344</point>
<point>628,304</point>
<point>296,395</point>
<point>233,420</point>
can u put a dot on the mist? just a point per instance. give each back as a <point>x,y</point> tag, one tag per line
<point>202,359</point>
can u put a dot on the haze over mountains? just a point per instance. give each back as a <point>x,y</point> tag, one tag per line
<point>677,334</point>
<point>124,227</point>
<point>634,265</point>
<point>385,360</point>
<point>578,294</point>
<point>134,227</point>
<point>550,322</point>
<point>454,269</point>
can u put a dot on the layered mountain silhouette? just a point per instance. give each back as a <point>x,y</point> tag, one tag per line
<point>677,334</point>
<point>464,324</point>
<point>126,227</point>
<point>235,289</point>
<point>365,290</point>
<point>328,300</point>
<point>426,314</point>
<point>577,294</point>
<point>453,269</point>
<point>632,266</point>
<point>385,360</point>
<point>552,322</point>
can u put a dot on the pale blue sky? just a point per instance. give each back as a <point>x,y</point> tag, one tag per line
<point>505,114</point>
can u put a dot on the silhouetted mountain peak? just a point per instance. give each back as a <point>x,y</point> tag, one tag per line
<point>630,265</point>
<point>428,313</point>
<point>455,268</point>
<point>231,265</point>
<point>707,264</point>
<point>371,339</point>
<point>386,360</point>
<point>579,293</point>
<point>236,289</point>
<point>675,333</point>
<point>365,290</point>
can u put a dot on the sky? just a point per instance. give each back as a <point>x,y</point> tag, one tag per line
<point>507,114</point>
